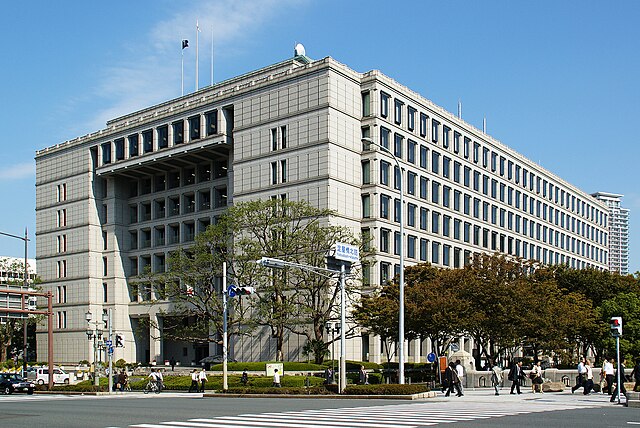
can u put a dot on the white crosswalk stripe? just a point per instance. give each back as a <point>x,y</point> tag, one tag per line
<point>412,415</point>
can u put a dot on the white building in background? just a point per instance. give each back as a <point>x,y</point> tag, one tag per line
<point>114,203</point>
<point>618,232</point>
<point>12,269</point>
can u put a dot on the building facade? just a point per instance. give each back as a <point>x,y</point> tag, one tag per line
<point>12,270</point>
<point>113,204</point>
<point>618,232</point>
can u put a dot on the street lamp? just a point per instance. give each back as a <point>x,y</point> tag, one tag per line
<point>25,284</point>
<point>94,334</point>
<point>401,279</point>
<point>327,273</point>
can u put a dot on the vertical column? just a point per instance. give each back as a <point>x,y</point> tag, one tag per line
<point>375,349</point>
<point>155,340</point>
<point>416,349</point>
<point>170,135</point>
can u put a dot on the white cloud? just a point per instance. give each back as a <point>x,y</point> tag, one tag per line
<point>152,74</point>
<point>18,171</point>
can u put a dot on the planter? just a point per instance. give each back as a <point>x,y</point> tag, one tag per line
<point>633,399</point>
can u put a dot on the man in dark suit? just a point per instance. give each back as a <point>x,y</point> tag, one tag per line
<point>515,374</point>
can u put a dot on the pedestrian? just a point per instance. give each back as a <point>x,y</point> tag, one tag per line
<point>276,379</point>
<point>588,383</point>
<point>364,376</point>
<point>515,376</point>
<point>173,363</point>
<point>122,380</point>
<point>461,378</point>
<point>635,374</point>
<point>202,377</point>
<point>452,380</point>
<point>245,377</point>
<point>194,381</point>
<point>160,379</point>
<point>614,395</point>
<point>496,378</point>
<point>536,378</point>
<point>580,378</point>
<point>328,376</point>
<point>608,374</point>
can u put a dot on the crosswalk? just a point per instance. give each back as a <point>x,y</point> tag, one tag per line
<point>412,415</point>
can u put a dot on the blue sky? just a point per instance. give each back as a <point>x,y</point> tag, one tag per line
<point>556,81</point>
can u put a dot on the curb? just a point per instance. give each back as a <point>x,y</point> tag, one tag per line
<point>421,396</point>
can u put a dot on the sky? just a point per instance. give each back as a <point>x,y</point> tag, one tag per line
<point>557,81</point>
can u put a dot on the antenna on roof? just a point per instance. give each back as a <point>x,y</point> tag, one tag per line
<point>459,109</point>
<point>484,125</point>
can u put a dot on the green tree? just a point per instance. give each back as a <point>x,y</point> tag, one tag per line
<point>626,305</point>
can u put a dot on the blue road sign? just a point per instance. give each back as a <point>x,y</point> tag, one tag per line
<point>231,290</point>
<point>108,342</point>
<point>431,357</point>
<point>111,350</point>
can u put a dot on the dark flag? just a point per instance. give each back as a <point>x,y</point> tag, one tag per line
<point>185,43</point>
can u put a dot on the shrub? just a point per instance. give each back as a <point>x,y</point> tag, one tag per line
<point>121,363</point>
<point>388,389</point>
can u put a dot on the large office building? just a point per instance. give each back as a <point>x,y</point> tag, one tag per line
<point>618,232</point>
<point>113,204</point>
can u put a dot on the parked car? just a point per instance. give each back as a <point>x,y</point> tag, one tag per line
<point>59,376</point>
<point>10,383</point>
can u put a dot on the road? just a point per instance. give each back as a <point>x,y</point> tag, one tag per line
<point>170,410</point>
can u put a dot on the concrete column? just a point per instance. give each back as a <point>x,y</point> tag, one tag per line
<point>155,341</point>
<point>170,135</point>
<point>375,350</point>
<point>416,350</point>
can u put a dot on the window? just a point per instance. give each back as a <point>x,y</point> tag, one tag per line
<point>476,181</point>
<point>467,204</point>
<point>384,104</point>
<point>456,142</point>
<point>456,229</point>
<point>467,176</point>
<point>476,152</point>
<point>494,161</point>
<point>366,172</point>
<point>194,128</point>
<point>435,162</point>
<point>384,137</point>
<point>274,172</point>
<point>119,144</point>
<point>446,167</point>
<point>147,141</point>
<point>446,196</point>
<point>424,182</point>
<point>466,234</point>
<point>106,153</point>
<point>411,151</point>
<point>274,138</point>
<point>467,142</point>
<point>456,171</point>
<point>384,206</point>
<point>397,145</point>
<point>398,111</point>
<point>384,240</point>
<point>502,161</point>
<point>366,206</point>
<point>456,200</point>
<point>411,215</point>
<point>445,136</point>
<point>423,125</point>
<point>411,246</point>
<point>396,210</point>
<point>163,137</point>
<point>396,243</point>
<point>435,192</point>
<point>211,122</point>
<point>366,104</point>
<point>411,182</point>
<point>283,137</point>
<point>384,172</point>
<point>423,218</point>
<point>133,145</point>
<point>178,132</point>
<point>283,171</point>
<point>435,222</point>
<point>434,130</point>
<point>446,225</point>
<point>435,252</point>
<point>423,249</point>
<point>411,118</point>
<point>424,152</point>
<point>446,255</point>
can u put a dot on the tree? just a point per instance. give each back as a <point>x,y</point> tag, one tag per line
<point>626,305</point>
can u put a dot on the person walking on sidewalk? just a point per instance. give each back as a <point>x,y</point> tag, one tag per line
<point>194,381</point>
<point>623,390</point>
<point>496,378</point>
<point>580,379</point>
<point>451,378</point>
<point>588,383</point>
<point>460,373</point>
<point>515,375</point>
<point>202,377</point>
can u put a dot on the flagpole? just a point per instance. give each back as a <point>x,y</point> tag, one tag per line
<point>182,74</point>
<point>197,31</point>
<point>212,55</point>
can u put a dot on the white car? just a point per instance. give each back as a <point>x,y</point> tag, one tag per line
<point>59,376</point>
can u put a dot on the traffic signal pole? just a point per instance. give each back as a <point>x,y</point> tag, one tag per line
<point>619,366</point>
<point>225,384</point>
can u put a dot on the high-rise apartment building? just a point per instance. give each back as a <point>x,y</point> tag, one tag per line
<point>618,232</point>
<point>113,204</point>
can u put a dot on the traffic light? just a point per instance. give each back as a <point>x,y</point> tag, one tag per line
<point>616,326</point>
<point>119,341</point>
<point>245,291</point>
<point>189,291</point>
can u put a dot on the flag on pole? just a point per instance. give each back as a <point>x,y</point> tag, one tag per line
<point>185,43</point>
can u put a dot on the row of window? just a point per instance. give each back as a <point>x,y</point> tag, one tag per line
<point>472,151</point>
<point>418,217</point>
<point>175,205</point>
<point>171,234</point>
<point>160,137</point>
<point>174,179</point>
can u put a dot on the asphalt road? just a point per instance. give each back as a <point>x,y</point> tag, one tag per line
<point>476,409</point>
